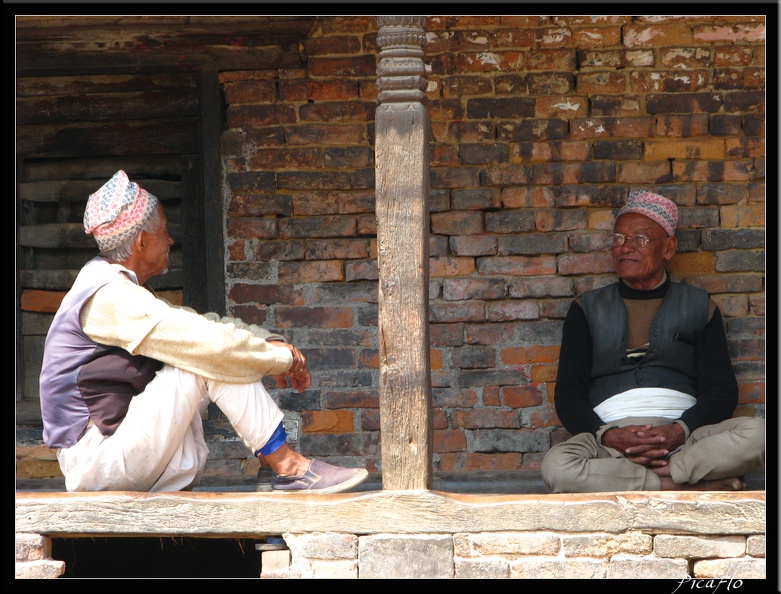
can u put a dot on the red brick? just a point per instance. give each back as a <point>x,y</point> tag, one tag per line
<point>757,303</point>
<point>658,35</point>
<point>331,249</point>
<point>686,57</point>
<point>492,462</point>
<point>513,37</point>
<point>449,266</point>
<point>311,272</point>
<point>524,196</point>
<point>559,220</point>
<point>327,421</point>
<point>526,355</point>
<point>470,131</point>
<point>544,372</point>
<point>258,116</point>
<point>314,317</point>
<point>683,125</point>
<point>265,294</point>
<point>745,147</point>
<point>644,172</point>
<point>561,107</point>
<point>685,264</point>
<point>554,151</point>
<point>348,24</point>
<point>601,82</point>
<point>473,245</point>
<point>727,171</point>
<point>252,228</point>
<point>449,441</point>
<point>548,60</point>
<point>332,44</point>
<point>673,81</point>
<point>521,396</point>
<point>743,215</point>
<point>609,127</point>
<point>751,393</point>
<point>491,396</point>
<point>341,134</point>
<point>732,55</point>
<point>490,418</point>
<point>250,91</point>
<point>304,158</point>
<point>517,265</point>
<point>365,65</point>
<point>684,148</point>
<point>41,301</point>
<point>361,270</point>
<point>732,306</point>
<point>364,399</point>
<point>554,37</point>
<point>490,61</point>
<point>749,32</point>
<point>754,78</point>
<point>544,417</point>
<point>585,263</point>
<point>457,223</point>
<point>597,36</point>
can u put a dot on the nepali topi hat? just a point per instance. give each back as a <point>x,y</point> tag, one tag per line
<point>117,211</point>
<point>657,208</point>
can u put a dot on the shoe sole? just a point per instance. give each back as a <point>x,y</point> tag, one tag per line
<point>341,487</point>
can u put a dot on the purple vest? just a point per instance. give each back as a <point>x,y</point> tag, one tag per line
<point>80,378</point>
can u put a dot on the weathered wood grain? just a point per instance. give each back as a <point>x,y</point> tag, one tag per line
<point>404,512</point>
<point>402,188</point>
<point>79,190</point>
<point>133,44</point>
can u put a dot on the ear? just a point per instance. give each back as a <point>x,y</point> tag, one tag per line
<point>670,247</point>
<point>140,242</point>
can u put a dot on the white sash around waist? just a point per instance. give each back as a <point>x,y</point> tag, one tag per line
<point>645,402</point>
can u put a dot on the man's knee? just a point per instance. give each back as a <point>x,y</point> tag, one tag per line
<point>753,430</point>
<point>563,462</point>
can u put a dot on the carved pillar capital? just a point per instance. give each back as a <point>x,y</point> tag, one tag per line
<point>401,71</point>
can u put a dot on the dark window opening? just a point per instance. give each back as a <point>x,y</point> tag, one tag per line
<point>157,557</point>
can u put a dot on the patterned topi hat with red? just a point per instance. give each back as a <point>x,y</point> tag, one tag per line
<point>657,208</point>
<point>116,211</point>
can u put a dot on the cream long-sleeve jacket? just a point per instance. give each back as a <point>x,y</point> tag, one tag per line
<point>129,316</point>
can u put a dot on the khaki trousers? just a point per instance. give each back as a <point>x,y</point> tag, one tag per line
<point>730,448</point>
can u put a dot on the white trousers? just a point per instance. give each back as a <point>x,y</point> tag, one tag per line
<point>159,446</point>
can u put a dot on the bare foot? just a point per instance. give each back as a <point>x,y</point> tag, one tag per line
<point>662,471</point>
<point>725,484</point>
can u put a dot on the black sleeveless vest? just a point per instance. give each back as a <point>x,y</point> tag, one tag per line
<point>670,361</point>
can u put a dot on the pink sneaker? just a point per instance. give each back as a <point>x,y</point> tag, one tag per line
<point>320,477</point>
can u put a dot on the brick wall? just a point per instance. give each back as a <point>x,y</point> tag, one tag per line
<point>540,128</point>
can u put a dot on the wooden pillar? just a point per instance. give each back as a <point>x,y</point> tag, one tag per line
<point>402,192</point>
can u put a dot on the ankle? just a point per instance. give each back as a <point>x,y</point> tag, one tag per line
<point>285,461</point>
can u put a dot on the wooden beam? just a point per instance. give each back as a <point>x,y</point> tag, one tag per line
<point>247,515</point>
<point>211,154</point>
<point>126,44</point>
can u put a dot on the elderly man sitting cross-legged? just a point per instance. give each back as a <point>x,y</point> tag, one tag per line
<point>645,384</point>
<point>125,374</point>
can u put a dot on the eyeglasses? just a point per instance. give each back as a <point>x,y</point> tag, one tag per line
<point>618,239</point>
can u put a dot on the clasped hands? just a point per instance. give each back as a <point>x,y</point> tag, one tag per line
<point>646,445</point>
<point>298,374</point>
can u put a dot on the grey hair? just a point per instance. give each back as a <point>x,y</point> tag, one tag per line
<point>122,251</point>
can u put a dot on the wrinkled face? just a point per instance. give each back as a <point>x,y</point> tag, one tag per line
<point>642,267</point>
<point>156,247</point>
